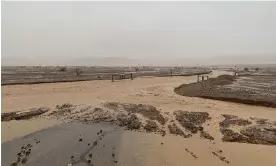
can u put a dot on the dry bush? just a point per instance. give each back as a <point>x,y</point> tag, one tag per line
<point>63,69</point>
<point>78,71</point>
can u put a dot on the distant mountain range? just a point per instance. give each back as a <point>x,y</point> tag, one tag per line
<point>122,61</point>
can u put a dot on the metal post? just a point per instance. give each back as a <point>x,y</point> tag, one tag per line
<point>131,76</point>
<point>197,78</point>
<point>112,79</point>
<point>171,72</point>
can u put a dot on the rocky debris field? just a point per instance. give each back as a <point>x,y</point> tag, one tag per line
<point>149,119</point>
<point>253,90</point>
<point>253,133</point>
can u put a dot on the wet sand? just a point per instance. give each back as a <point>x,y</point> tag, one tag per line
<point>159,93</point>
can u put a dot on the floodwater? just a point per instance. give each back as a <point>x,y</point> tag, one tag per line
<point>132,148</point>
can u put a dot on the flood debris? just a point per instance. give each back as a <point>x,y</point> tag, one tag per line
<point>24,115</point>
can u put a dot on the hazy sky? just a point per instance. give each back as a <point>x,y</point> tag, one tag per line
<point>66,30</point>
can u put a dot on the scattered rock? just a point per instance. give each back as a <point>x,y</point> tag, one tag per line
<point>63,106</point>
<point>260,134</point>
<point>206,135</point>
<point>191,121</point>
<point>233,120</point>
<point>34,112</point>
<point>14,164</point>
<point>24,160</point>
<point>130,121</point>
<point>231,136</point>
<point>151,126</point>
<point>174,129</point>
<point>147,111</point>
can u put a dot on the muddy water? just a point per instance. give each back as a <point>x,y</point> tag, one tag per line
<point>141,148</point>
<point>146,149</point>
<point>59,143</point>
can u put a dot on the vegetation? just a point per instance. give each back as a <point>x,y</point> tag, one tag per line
<point>63,69</point>
<point>78,71</point>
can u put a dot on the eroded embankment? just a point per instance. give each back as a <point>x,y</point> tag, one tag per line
<point>228,88</point>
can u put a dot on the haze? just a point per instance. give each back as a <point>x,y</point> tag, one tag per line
<point>133,33</point>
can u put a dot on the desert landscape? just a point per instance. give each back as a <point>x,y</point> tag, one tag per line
<point>151,120</point>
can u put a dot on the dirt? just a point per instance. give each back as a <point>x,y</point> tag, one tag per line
<point>191,121</point>
<point>34,112</point>
<point>253,90</point>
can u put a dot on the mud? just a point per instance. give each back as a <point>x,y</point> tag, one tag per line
<point>253,90</point>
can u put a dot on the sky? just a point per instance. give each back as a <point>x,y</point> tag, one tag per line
<point>138,32</point>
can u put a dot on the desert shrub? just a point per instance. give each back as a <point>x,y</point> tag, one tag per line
<point>246,69</point>
<point>257,69</point>
<point>78,71</point>
<point>63,69</point>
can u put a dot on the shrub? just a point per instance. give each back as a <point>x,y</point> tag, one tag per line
<point>63,69</point>
<point>78,71</point>
<point>246,69</point>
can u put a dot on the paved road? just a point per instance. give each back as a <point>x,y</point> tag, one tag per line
<point>57,145</point>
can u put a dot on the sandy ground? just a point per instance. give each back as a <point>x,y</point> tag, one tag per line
<point>158,92</point>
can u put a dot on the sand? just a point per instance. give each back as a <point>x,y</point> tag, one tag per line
<point>156,91</point>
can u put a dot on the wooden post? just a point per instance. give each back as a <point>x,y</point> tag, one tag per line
<point>197,78</point>
<point>131,76</point>
<point>171,72</point>
<point>112,79</point>
<point>202,77</point>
